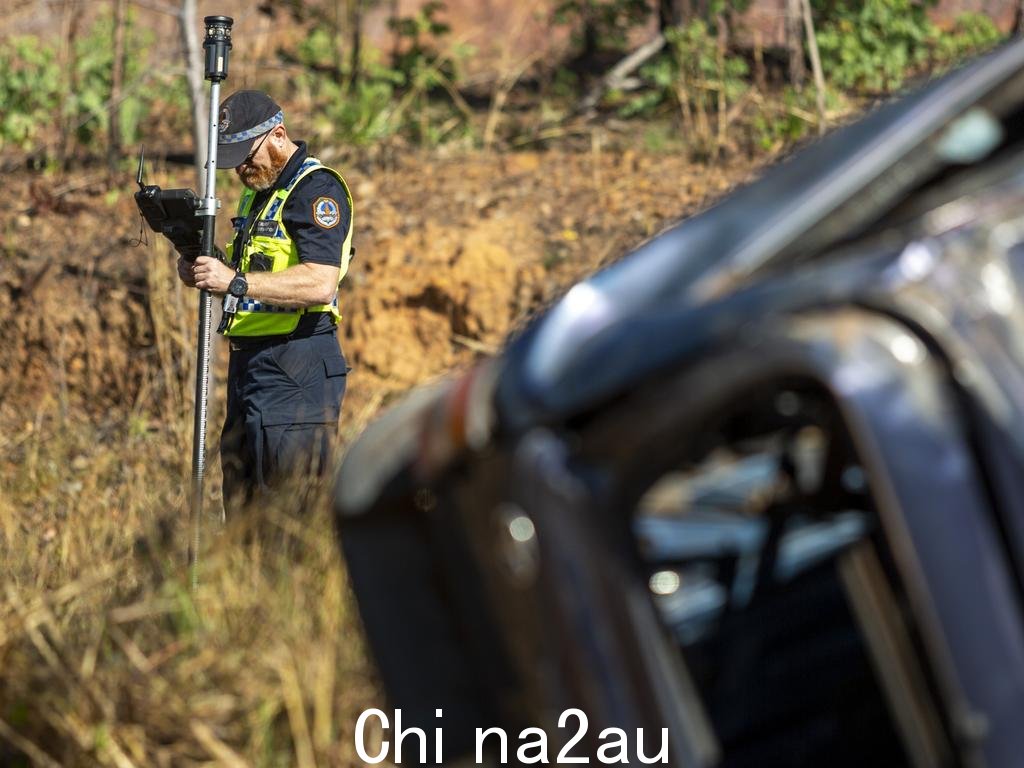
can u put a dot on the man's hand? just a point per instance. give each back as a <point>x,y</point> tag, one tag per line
<point>211,274</point>
<point>185,271</point>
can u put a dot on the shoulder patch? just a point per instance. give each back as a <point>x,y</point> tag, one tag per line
<point>326,212</point>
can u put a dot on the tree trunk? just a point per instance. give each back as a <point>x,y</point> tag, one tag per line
<point>355,51</point>
<point>720,51</point>
<point>336,44</point>
<point>116,84</point>
<point>819,77</point>
<point>760,75</point>
<point>1018,22</point>
<point>69,63</point>
<point>671,14</point>
<point>194,79</point>
<point>393,14</point>
<point>590,41</point>
<point>794,42</point>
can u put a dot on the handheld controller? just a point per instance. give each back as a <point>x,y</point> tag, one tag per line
<point>173,213</point>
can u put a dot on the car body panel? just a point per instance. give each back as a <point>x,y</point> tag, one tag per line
<point>809,398</point>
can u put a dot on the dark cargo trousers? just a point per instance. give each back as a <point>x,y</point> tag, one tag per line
<point>283,404</point>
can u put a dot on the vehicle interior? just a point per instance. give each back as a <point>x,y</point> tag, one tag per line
<point>770,568</point>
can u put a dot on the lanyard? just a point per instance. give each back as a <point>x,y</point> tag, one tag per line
<point>243,233</point>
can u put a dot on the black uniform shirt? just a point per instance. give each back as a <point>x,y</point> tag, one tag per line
<point>317,228</point>
<point>318,238</point>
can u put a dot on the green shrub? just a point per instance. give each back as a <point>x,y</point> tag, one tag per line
<point>30,91</point>
<point>873,44</point>
<point>360,114</point>
<point>43,98</point>
<point>790,116</point>
<point>87,105</point>
<point>606,22</point>
<point>970,34</point>
<point>695,76</point>
<point>415,96</point>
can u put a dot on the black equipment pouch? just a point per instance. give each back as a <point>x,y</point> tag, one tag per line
<point>260,262</point>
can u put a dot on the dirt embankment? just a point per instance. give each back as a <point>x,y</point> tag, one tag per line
<point>450,255</point>
<point>94,446</point>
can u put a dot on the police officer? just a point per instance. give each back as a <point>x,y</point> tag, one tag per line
<point>291,248</point>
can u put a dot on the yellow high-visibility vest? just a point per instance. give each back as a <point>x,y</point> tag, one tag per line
<point>257,318</point>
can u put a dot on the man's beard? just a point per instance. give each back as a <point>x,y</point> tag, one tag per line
<point>259,179</point>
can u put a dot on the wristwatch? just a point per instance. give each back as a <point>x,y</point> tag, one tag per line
<point>238,286</point>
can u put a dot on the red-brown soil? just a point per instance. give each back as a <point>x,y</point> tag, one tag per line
<point>452,254</point>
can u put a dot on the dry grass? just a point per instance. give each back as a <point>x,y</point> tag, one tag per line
<point>106,657</point>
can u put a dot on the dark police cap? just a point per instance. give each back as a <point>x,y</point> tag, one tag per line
<point>244,117</point>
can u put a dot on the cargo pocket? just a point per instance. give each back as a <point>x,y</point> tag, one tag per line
<point>296,451</point>
<point>336,370</point>
<point>335,366</point>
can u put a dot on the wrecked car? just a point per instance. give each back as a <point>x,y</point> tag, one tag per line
<point>758,486</point>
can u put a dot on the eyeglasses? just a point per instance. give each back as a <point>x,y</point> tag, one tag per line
<point>257,149</point>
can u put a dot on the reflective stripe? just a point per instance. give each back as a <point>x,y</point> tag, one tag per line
<point>282,194</point>
<point>253,305</point>
<point>254,318</point>
<point>252,133</point>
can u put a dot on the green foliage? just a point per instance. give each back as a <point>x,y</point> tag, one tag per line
<point>85,104</point>
<point>872,44</point>
<point>700,63</point>
<point>364,113</point>
<point>868,45</point>
<point>94,62</point>
<point>316,50</point>
<point>30,90</point>
<point>565,84</point>
<point>420,32</point>
<point>971,33</point>
<point>789,117</point>
<point>43,99</point>
<point>58,95</point>
<point>360,113</point>
<point>660,136</point>
<point>773,129</point>
<point>606,22</point>
<point>415,96</point>
<point>699,77</point>
<point>431,109</point>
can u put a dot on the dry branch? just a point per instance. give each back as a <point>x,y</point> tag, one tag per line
<point>794,42</point>
<point>501,92</point>
<point>194,80</point>
<point>819,78</point>
<point>225,755</point>
<point>30,750</point>
<point>617,74</point>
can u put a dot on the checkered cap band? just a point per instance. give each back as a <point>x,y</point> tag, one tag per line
<point>252,133</point>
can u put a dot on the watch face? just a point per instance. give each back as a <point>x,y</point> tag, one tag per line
<point>238,286</point>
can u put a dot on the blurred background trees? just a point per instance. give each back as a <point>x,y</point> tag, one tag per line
<point>85,82</point>
<point>107,658</point>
